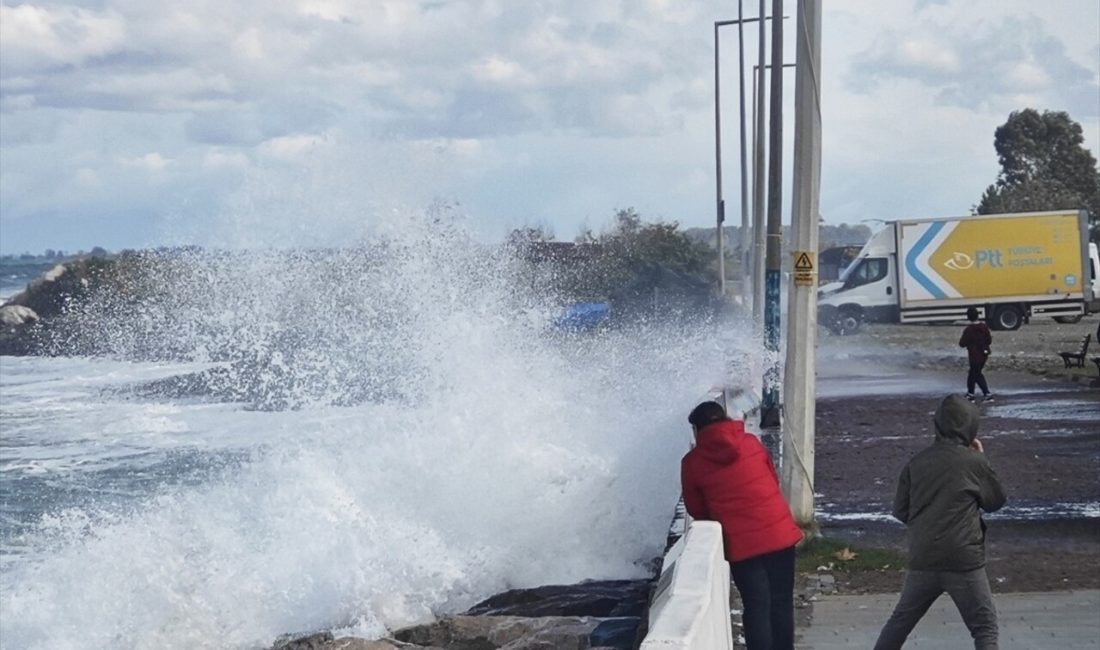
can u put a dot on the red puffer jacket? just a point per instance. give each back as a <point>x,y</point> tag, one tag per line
<point>728,477</point>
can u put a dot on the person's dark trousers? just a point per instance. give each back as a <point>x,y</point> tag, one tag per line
<point>975,376</point>
<point>766,584</point>
<point>972,596</point>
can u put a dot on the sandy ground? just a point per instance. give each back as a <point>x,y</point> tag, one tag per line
<point>877,391</point>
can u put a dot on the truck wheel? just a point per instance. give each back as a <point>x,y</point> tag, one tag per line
<point>1069,319</point>
<point>1008,317</point>
<point>848,322</point>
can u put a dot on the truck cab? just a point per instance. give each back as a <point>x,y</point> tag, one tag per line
<point>865,291</point>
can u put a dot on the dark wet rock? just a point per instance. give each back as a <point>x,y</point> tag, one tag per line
<point>326,641</point>
<point>30,319</point>
<point>601,598</point>
<point>616,633</point>
<point>504,633</point>
<point>311,642</point>
<point>17,315</point>
<point>19,326</point>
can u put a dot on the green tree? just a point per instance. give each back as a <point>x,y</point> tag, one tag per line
<point>632,244</point>
<point>1044,166</point>
<point>528,235</point>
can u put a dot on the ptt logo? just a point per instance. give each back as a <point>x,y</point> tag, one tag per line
<point>990,257</point>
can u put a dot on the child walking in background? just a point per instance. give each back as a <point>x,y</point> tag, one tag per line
<point>976,338</point>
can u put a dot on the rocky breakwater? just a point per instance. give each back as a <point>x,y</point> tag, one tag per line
<point>590,615</point>
<point>29,319</point>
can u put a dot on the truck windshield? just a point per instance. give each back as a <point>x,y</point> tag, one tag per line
<point>865,271</point>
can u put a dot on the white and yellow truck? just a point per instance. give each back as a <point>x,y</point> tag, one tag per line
<point>1012,267</point>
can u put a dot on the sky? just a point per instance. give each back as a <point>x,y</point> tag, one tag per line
<point>138,123</point>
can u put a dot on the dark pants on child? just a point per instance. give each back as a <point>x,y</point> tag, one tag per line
<point>972,596</point>
<point>766,585</point>
<point>975,376</point>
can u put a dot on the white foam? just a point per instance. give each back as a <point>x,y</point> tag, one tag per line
<point>506,458</point>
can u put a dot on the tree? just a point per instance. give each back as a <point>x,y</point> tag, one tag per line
<point>632,244</point>
<point>527,235</point>
<point>1044,166</point>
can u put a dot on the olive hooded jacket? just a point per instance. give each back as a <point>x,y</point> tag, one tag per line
<point>942,491</point>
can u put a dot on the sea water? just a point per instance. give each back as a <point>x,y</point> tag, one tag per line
<point>412,437</point>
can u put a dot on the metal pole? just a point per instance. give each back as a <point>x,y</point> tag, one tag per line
<point>758,191</point>
<point>719,202</point>
<point>799,384</point>
<point>755,245</point>
<point>769,412</point>
<point>742,239</point>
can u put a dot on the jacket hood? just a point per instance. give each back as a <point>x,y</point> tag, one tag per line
<point>956,420</point>
<point>718,441</point>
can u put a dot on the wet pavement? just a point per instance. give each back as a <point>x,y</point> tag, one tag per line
<point>1059,620</point>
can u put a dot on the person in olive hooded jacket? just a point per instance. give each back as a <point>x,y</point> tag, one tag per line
<point>728,477</point>
<point>941,494</point>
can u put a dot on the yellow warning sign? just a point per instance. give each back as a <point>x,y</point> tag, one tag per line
<point>805,275</point>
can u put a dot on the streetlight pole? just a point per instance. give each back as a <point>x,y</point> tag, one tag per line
<point>744,232</point>
<point>758,190</point>
<point>720,202</point>
<point>756,246</point>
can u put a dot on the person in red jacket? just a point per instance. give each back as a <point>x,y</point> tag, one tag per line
<point>728,477</point>
<point>976,338</point>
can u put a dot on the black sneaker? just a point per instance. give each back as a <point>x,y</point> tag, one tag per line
<point>988,398</point>
<point>970,397</point>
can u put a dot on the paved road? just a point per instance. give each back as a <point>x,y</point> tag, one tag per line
<point>1061,620</point>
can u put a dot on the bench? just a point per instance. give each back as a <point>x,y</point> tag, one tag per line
<point>1077,358</point>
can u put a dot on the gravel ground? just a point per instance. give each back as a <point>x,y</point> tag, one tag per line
<point>1031,349</point>
<point>877,391</point>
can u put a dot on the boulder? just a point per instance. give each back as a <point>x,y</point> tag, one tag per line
<point>503,633</point>
<point>326,641</point>
<point>19,329</point>
<point>309,642</point>
<point>17,315</point>
<point>600,598</point>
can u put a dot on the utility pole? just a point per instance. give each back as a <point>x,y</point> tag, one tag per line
<point>743,238</point>
<point>799,382</point>
<point>758,188</point>
<point>770,408</point>
<point>720,203</point>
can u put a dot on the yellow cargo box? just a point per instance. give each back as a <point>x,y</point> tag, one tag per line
<point>1020,256</point>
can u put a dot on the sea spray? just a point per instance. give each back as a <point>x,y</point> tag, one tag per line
<point>414,437</point>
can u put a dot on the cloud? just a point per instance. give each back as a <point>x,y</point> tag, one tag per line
<point>292,148</point>
<point>218,159</point>
<point>559,110</point>
<point>152,162</point>
<point>88,177</point>
<point>989,65</point>
<point>34,38</point>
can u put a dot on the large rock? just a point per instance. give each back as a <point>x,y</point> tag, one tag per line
<point>600,598</point>
<point>54,291</point>
<point>19,326</point>
<point>17,315</point>
<point>29,315</point>
<point>504,633</point>
<point>326,641</point>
